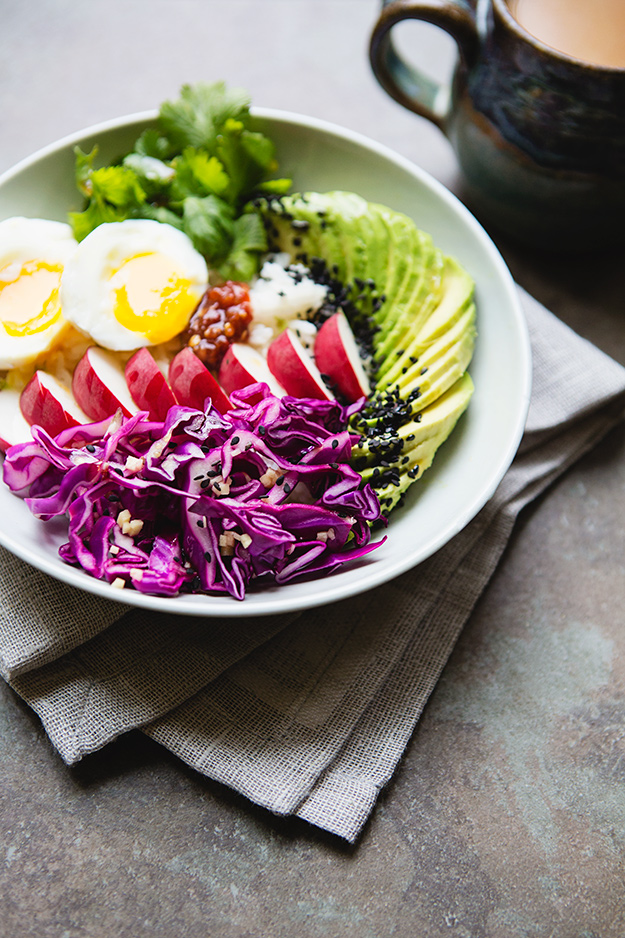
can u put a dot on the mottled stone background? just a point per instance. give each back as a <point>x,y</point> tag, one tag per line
<point>506,818</point>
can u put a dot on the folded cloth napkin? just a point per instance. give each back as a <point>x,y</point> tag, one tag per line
<point>306,714</point>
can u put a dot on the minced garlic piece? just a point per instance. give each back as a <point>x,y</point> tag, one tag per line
<point>134,463</point>
<point>132,528</point>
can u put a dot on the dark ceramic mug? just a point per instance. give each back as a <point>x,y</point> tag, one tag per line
<point>539,135</point>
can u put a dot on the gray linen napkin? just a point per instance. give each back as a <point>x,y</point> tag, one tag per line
<point>304,714</point>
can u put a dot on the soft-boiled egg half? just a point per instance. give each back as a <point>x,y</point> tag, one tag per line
<point>33,254</point>
<point>133,283</point>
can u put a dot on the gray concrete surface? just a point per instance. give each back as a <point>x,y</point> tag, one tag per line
<point>506,818</point>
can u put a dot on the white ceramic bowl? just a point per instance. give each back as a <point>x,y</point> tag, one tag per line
<point>470,464</point>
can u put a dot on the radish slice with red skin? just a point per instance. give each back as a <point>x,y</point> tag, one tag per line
<point>242,365</point>
<point>337,356</point>
<point>99,385</point>
<point>49,404</point>
<point>192,383</point>
<point>148,386</point>
<point>294,368</point>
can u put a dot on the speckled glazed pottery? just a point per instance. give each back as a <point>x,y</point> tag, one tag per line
<point>540,136</point>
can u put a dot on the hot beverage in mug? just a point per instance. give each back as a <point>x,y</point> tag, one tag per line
<point>539,132</point>
<point>590,30</point>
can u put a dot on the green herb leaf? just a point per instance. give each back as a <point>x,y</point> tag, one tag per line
<point>248,244</point>
<point>209,222</point>
<point>198,115</point>
<point>153,143</point>
<point>275,186</point>
<point>195,170</point>
<point>96,213</point>
<point>159,213</point>
<point>197,173</point>
<point>149,169</point>
<point>247,156</point>
<point>84,168</point>
<point>118,185</point>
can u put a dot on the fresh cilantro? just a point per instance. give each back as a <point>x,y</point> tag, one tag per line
<point>246,156</point>
<point>209,222</point>
<point>152,143</point>
<point>197,118</point>
<point>196,169</point>
<point>95,214</point>
<point>114,193</point>
<point>248,245</point>
<point>197,173</point>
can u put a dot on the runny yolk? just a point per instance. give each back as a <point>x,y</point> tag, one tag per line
<point>151,298</point>
<point>29,297</point>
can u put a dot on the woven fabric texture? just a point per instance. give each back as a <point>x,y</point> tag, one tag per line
<point>306,714</point>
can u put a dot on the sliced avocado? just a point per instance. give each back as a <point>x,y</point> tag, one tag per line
<point>407,310</point>
<point>452,349</point>
<point>414,430</point>
<point>361,243</point>
<point>457,292</point>
<point>436,424</point>
<point>421,303</point>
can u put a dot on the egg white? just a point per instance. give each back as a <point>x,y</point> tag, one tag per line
<point>30,244</point>
<point>99,268</point>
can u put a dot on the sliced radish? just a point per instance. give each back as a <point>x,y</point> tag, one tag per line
<point>337,356</point>
<point>242,365</point>
<point>294,368</point>
<point>48,403</point>
<point>14,428</point>
<point>193,384</point>
<point>99,385</point>
<point>148,386</point>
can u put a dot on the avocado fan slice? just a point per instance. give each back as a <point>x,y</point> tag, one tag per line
<point>416,307</point>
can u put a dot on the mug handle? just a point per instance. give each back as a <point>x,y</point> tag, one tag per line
<point>406,84</point>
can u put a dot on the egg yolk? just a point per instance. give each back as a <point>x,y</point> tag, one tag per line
<point>151,298</point>
<point>29,297</point>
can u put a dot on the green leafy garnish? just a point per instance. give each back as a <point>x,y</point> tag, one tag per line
<point>197,170</point>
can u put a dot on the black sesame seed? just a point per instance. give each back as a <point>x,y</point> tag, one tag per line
<point>335,443</point>
<point>207,556</point>
<point>90,447</point>
<point>234,440</point>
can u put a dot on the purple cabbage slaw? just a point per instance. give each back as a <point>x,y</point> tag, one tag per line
<point>203,502</point>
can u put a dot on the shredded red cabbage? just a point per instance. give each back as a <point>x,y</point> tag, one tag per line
<point>203,502</point>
